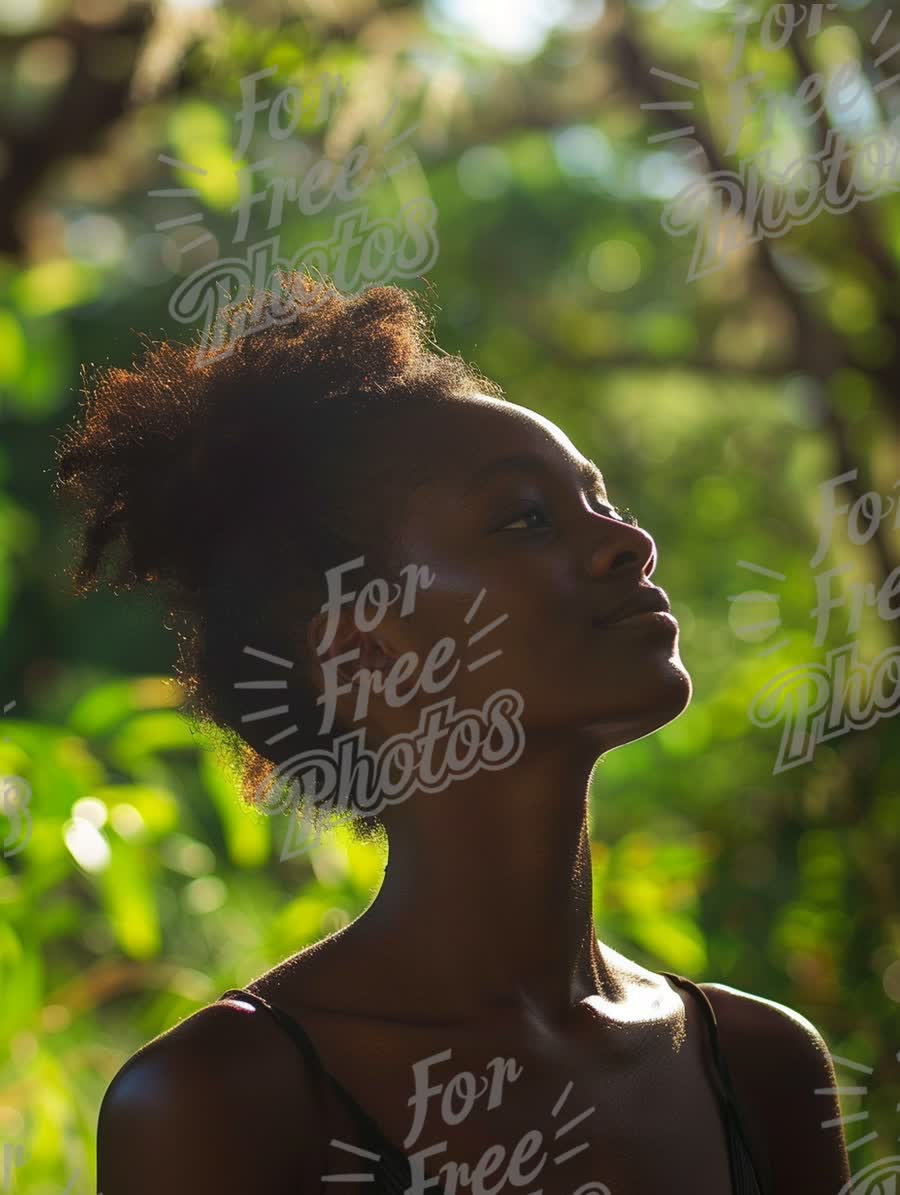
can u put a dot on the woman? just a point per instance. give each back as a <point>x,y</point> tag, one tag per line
<point>468,1031</point>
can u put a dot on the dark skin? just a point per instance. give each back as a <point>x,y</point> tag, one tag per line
<point>481,939</point>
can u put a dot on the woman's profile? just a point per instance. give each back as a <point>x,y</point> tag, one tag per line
<point>408,601</point>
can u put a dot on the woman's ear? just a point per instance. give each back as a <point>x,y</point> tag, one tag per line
<point>372,651</point>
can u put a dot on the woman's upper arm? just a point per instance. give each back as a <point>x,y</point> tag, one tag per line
<point>220,1105</point>
<point>784,1079</point>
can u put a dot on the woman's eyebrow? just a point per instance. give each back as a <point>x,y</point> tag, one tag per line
<point>587,471</point>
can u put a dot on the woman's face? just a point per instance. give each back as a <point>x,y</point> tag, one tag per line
<point>539,535</point>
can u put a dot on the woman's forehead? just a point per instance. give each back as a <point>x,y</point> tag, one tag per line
<point>467,437</point>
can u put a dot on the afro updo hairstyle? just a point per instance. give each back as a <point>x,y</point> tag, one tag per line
<point>231,487</point>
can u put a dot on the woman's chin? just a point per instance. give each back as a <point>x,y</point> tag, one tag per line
<point>638,714</point>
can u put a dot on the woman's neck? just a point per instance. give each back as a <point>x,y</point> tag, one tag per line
<point>486,902</point>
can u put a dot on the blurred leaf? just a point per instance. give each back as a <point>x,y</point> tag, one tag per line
<point>104,707</point>
<point>146,735</point>
<point>127,892</point>
<point>156,808</point>
<point>247,833</point>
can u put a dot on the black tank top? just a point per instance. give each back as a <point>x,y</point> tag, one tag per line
<point>389,1165</point>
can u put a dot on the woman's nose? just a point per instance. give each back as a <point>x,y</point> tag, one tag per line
<point>620,545</point>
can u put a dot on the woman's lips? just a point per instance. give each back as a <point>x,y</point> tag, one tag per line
<point>645,600</point>
<point>660,617</point>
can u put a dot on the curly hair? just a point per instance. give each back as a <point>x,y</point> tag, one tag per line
<point>232,487</point>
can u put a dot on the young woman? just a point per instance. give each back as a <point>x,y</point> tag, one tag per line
<point>469,1031</point>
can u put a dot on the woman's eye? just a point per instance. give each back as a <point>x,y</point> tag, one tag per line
<point>624,516</point>
<point>525,515</point>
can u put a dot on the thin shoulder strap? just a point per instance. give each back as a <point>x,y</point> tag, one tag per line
<point>748,1176</point>
<point>288,1024</point>
<point>302,1040</point>
<point>723,1075</point>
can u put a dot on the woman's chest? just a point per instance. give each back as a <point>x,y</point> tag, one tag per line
<point>517,1123</point>
<point>568,1142</point>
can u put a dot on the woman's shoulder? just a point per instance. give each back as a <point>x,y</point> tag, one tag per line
<point>783,1076</point>
<point>214,1104</point>
<point>221,1038</point>
<point>758,1033</point>
<point>745,1012</point>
